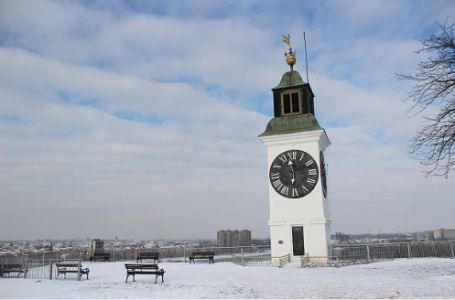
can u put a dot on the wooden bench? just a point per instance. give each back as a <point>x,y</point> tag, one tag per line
<point>202,255</point>
<point>146,269</point>
<point>105,256</point>
<point>148,255</point>
<point>71,268</point>
<point>13,268</point>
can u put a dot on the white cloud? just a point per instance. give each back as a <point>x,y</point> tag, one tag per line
<point>65,154</point>
<point>147,118</point>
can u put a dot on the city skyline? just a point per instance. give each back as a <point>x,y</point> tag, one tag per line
<point>140,119</point>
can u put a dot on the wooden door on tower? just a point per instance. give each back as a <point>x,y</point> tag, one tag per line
<point>298,245</point>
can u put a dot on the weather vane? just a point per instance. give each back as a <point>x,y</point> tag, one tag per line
<point>290,56</point>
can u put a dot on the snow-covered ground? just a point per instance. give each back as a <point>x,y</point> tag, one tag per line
<point>403,278</point>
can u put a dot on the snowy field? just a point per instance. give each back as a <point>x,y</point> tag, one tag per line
<point>401,278</point>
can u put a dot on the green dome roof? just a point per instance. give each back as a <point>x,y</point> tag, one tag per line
<point>291,124</point>
<point>290,79</point>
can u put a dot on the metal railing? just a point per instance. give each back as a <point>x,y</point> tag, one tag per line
<point>181,253</point>
<point>174,253</point>
<point>281,261</point>
<point>42,265</point>
<point>35,268</point>
<point>320,261</point>
<point>371,252</point>
<point>257,258</point>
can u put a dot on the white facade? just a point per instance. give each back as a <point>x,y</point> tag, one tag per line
<point>310,211</point>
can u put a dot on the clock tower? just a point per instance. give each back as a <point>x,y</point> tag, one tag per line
<point>299,213</point>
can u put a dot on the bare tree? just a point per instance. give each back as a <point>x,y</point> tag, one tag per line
<point>433,92</point>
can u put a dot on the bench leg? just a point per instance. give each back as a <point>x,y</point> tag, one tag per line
<point>158,275</point>
<point>134,277</point>
<point>126,280</point>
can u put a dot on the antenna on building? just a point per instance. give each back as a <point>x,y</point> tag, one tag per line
<point>306,59</point>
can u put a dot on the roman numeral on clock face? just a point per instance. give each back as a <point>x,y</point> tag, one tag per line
<point>277,184</point>
<point>285,190</point>
<point>305,190</point>
<point>283,158</point>
<point>275,176</point>
<point>295,192</point>
<point>312,172</point>
<point>292,155</point>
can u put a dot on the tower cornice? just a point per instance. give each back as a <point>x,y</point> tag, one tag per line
<point>305,137</point>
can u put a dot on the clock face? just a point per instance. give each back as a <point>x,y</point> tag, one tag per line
<point>323,174</point>
<point>294,174</point>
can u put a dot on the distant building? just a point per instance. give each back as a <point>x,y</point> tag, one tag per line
<point>228,238</point>
<point>235,242</point>
<point>221,238</point>
<point>245,238</point>
<point>233,238</point>
<point>444,234</point>
<point>96,246</point>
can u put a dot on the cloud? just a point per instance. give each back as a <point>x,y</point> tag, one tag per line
<point>149,46</point>
<point>88,155</point>
<point>148,113</point>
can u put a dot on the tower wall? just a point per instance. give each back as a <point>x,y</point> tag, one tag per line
<point>310,211</point>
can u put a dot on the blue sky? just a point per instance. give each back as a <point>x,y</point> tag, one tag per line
<point>122,116</point>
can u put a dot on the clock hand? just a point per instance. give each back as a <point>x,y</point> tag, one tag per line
<point>293,173</point>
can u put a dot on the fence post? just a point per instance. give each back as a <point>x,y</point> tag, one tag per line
<point>50,269</point>
<point>243,260</point>
<point>409,251</point>
<point>79,267</point>
<point>184,253</point>
<point>451,249</point>
<point>368,253</point>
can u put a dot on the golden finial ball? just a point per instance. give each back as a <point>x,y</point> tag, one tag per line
<point>290,59</point>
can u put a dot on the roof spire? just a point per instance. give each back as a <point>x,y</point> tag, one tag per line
<point>290,56</point>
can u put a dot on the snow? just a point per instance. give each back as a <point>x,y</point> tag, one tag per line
<point>401,278</point>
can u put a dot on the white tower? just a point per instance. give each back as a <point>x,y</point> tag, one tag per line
<point>299,215</point>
